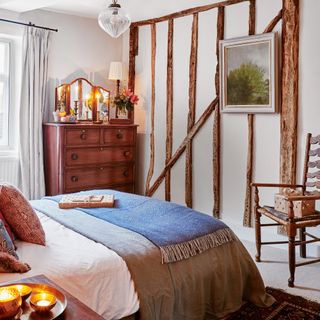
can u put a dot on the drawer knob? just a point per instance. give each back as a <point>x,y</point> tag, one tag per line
<point>119,135</point>
<point>74,178</point>
<point>126,153</point>
<point>101,168</point>
<point>126,173</point>
<point>74,156</point>
<point>83,136</point>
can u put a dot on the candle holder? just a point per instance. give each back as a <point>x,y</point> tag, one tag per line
<point>10,302</point>
<point>23,290</point>
<point>43,302</point>
<point>76,108</point>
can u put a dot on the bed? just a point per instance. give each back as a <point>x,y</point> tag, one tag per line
<point>205,286</point>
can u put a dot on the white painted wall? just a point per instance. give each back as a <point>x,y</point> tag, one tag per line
<point>234,127</point>
<point>80,48</point>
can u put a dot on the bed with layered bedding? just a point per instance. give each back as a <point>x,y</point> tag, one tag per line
<point>143,257</point>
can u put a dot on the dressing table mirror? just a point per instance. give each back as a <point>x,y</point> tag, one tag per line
<point>83,99</point>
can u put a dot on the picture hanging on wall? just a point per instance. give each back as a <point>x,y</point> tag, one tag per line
<point>249,74</point>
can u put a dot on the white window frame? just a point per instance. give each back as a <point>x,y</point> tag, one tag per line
<point>5,140</point>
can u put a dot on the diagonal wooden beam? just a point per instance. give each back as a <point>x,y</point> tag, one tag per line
<point>153,102</point>
<point>197,126</point>
<point>216,124</point>
<point>192,107</point>
<point>273,22</point>
<point>169,115</point>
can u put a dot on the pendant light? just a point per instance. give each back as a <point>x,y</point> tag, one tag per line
<point>113,21</point>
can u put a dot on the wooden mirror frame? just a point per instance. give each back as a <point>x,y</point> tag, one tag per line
<point>67,97</point>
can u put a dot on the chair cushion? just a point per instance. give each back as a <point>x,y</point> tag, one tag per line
<point>19,214</point>
<point>284,216</point>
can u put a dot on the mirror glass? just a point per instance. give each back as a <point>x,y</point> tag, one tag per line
<point>83,101</point>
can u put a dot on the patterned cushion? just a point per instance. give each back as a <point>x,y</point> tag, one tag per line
<point>9,263</point>
<point>6,244</point>
<point>20,215</point>
<point>2,218</point>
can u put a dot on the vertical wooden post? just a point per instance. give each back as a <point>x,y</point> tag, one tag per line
<point>290,89</point>
<point>153,102</point>
<point>133,52</point>
<point>192,106</point>
<point>216,124</point>
<point>247,217</point>
<point>169,108</point>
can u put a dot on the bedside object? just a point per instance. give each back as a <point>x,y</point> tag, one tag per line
<point>43,302</point>
<point>23,290</point>
<point>73,310</point>
<point>89,156</point>
<point>85,201</point>
<point>10,302</point>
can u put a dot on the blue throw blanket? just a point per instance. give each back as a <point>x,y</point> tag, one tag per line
<point>178,231</point>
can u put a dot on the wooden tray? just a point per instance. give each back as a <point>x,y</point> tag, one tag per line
<point>27,313</point>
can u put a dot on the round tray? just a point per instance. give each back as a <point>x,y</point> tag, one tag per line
<point>27,313</point>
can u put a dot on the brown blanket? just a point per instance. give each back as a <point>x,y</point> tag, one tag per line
<point>206,286</point>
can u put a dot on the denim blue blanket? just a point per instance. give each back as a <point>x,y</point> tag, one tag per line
<point>178,231</point>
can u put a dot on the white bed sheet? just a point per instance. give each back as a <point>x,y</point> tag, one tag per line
<point>91,272</point>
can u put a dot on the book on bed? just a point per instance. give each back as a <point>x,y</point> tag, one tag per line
<point>87,201</point>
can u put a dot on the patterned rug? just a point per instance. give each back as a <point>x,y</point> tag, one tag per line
<point>286,307</point>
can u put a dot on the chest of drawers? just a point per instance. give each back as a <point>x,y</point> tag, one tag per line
<point>87,156</point>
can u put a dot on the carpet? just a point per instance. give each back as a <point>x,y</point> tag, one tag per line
<point>286,307</point>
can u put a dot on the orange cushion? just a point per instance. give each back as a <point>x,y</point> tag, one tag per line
<point>20,216</point>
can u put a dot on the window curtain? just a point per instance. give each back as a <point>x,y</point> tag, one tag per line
<point>36,44</point>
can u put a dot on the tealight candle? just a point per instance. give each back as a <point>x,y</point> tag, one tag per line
<point>43,302</point>
<point>10,302</point>
<point>24,290</point>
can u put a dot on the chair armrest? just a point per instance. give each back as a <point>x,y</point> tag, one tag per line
<point>302,197</point>
<point>274,185</point>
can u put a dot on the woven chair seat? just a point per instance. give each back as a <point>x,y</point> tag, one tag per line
<point>284,217</point>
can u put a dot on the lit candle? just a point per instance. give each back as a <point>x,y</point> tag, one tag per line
<point>10,301</point>
<point>24,290</point>
<point>98,100</point>
<point>43,303</point>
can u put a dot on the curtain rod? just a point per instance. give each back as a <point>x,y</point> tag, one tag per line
<point>28,24</point>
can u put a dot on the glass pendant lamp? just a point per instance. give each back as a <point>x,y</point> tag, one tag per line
<point>113,20</point>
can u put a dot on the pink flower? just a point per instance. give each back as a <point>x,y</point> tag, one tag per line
<point>134,99</point>
<point>127,93</point>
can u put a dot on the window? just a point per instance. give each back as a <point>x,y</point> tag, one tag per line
<point>5,63</point>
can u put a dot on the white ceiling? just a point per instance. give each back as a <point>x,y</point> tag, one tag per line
<point>137,9</point>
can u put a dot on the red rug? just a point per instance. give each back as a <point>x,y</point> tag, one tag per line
<point>287,307</point>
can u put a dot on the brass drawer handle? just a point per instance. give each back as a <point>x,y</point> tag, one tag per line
<point>126,173</point>
<point>102,149</point>
<point>119,135</point>
<point>74,156</point>
<point>83,136</point>
<point>74,178</point>
<point>126,153</point>
<point>101,168</point>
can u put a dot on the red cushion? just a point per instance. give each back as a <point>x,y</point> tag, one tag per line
<point>19,214</point>
<point>7,226</point>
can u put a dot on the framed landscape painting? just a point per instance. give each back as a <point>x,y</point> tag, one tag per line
<point>249,74</point>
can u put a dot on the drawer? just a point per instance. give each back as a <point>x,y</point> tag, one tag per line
<point>85,178</point>
<point>83,136</point>
<point>80,156</point>
<point>126,188</point>
<point>118,136</point>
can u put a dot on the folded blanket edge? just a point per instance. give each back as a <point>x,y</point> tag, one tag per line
<point>188,249</point>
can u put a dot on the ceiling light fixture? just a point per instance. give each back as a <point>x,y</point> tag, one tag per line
<point>113,21</point>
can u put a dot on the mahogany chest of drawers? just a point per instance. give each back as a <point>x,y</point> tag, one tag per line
<point>88,156</point>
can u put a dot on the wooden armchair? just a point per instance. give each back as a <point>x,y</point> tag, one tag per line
<point>291,223</point>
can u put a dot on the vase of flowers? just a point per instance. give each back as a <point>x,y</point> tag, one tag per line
<point>125,102</point>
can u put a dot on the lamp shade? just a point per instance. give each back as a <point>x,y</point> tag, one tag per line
<point>116,71</point>
<point>113,20</point>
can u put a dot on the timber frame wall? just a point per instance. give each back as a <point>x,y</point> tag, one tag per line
<point>289,14</point>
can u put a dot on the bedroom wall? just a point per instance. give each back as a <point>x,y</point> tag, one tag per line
<point>79,49</point>
<point>234,127</point>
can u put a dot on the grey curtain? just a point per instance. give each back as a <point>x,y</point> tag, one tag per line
<point>33,97</point>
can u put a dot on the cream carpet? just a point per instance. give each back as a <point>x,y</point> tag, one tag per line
<point>275,271</point>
